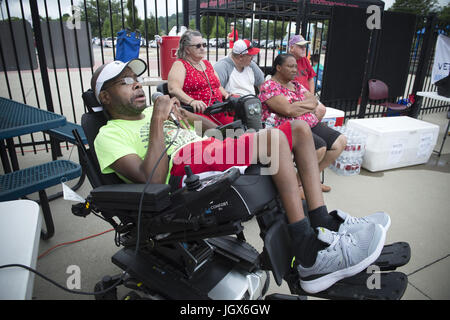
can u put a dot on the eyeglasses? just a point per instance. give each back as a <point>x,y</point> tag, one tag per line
<point>131,80</point>
<point>198,45</point>
<point>125,81</point>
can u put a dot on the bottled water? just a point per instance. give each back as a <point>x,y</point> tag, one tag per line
<point>270,121</point>
<point>349,161</point>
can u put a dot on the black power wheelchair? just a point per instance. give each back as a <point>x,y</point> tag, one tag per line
<point>189,243</point>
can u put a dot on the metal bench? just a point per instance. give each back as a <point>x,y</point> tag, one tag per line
<point>22,182</point>
<point>64,133</point>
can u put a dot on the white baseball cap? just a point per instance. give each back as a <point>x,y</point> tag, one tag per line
<point>245,47</point>
<point>114,69</point>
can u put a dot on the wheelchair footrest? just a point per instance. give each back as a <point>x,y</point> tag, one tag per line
<point>393,256</point>
<point>366,286</point>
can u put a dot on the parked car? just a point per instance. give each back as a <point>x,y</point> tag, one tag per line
<point>262,43</point>
<point>212,42</point>
<point>108,43</point>
<point>274,44</point>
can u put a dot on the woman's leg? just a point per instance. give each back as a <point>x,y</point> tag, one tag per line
<point>336,149</point>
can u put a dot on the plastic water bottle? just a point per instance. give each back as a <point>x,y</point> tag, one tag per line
<point>270,121</point>
<point>349,161</point>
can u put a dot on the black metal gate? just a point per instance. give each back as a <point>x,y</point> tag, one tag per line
<point>50,48</point>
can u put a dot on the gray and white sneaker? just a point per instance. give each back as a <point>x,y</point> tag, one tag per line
<point>346,255</point>
<point>352,224</point>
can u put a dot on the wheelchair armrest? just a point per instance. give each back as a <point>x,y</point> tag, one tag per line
<point>229,126</point>
<point>127,197</point>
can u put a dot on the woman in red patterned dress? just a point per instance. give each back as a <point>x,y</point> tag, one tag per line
<point>193,80</point>
<point>285,99</point>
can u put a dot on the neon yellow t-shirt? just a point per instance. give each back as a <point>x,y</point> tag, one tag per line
<point>119,138</point>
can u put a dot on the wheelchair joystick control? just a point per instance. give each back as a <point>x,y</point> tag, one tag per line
<point>192,181</point>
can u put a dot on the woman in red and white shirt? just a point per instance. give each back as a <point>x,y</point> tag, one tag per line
<point>192,78</point>
<point>284,99</point>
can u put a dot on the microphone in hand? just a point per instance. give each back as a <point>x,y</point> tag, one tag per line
<point>155,97</point>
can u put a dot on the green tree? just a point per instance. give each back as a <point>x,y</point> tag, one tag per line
<point>132,20</point>
<point>444,15</point>
<point>206,25</point>
<point>117,26</point>
<point>418,7</point>
<point>151,28</point>
<point>100,15</point>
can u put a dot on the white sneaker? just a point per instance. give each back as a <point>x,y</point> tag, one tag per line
<point>352,224</point>
<point>346,255</point>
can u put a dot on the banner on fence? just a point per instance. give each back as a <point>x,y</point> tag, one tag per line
<point>441,66</point>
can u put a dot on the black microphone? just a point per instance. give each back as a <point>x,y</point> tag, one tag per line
<point>155,97</point>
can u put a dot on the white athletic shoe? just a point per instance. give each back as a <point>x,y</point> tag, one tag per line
<point>346,255</point>
<point>352,224</point>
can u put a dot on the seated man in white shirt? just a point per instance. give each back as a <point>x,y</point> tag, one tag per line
<point>238,74</point>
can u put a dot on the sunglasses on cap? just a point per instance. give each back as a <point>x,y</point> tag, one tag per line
<point>198,45</point>
<point>247,49</point>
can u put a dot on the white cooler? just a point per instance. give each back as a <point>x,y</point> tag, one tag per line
<point>394,142</point>
<point>333,117</point>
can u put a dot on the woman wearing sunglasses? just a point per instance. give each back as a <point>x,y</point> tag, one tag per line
<point>192,78</point>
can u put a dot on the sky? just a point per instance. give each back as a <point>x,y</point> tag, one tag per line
<point>14,7</point>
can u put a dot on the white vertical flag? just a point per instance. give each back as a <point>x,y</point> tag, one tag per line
<point>441,66</point>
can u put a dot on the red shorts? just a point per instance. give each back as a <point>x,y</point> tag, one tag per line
<point>219,118</point>
<point>217,155</point>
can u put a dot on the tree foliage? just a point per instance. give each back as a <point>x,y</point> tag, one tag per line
<point>444,15</point>
<point>418,7</point>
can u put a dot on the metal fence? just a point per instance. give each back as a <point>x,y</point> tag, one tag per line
<point>420,66</point>
<point>50,48</point>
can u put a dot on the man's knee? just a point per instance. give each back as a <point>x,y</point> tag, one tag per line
<point>300,126</point>
<point>300,130</point>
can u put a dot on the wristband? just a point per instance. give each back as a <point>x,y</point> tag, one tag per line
<point>191,102</point>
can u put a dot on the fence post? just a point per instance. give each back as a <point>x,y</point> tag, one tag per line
<point>422,67</point>
<point>56,149</point>
<point>197,16</point>
<point>372,57</point>
<point>41,54</point>
<point>186,13</point>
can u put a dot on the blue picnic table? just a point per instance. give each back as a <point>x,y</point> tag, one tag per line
<point>18,119</point>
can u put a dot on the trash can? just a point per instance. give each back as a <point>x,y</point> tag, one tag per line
<point>168,54</point>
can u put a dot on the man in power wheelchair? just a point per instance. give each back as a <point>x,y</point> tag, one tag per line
<point>178,242</point>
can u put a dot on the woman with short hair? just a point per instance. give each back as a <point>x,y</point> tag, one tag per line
<point>285,99</point>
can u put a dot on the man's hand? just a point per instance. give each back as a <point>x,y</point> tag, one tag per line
<point>164,106</point>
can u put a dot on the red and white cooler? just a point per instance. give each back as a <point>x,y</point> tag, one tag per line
<point>168,54</point>
<point>334,117</point>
